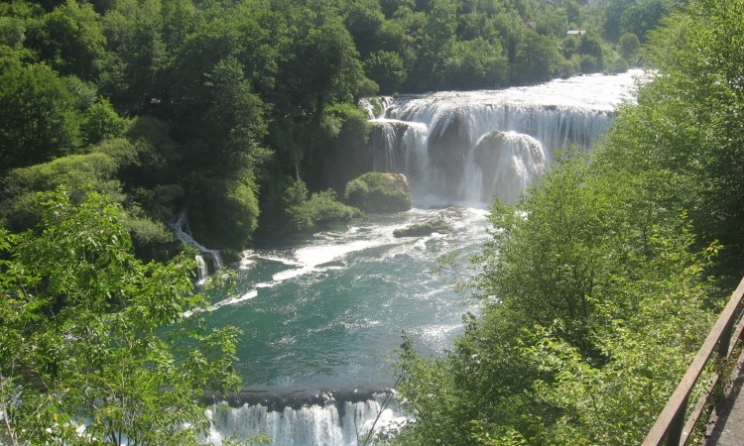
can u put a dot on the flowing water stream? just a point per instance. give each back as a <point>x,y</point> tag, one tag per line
<point>322,314</point>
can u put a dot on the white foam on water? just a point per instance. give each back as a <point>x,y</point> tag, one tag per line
<point>310,259</point>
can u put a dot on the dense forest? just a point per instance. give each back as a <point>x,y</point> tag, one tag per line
<point>234,110</point>
<point>117,115</point>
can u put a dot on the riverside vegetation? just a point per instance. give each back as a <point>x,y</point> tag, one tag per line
<point>592,293</point>
<point>599,286</point>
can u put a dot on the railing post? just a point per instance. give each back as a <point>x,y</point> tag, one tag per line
<point>725,341</point>
<point>678,423</point>
<point>670,423</point>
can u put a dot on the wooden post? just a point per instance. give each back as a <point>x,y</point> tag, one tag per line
<point>678,422</point>
<point>725,341</point>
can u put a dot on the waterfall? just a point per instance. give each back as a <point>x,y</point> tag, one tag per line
<point>324,313</point>
<point>417,165</point>
<point>469,146</point>
<point>333,423</point>
<point>377,107</point>
<point>383,146</point>
<point>201,268</point>
<point>503,164</point>
<point>180,228</point>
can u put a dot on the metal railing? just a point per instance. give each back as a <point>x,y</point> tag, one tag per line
<point>671,423</point>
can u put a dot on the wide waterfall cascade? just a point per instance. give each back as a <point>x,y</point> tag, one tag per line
<point>332,423</point>
<point>555,114</point>
<point>180,229</point>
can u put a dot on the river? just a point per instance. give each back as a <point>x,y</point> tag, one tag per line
<point>321,314</point>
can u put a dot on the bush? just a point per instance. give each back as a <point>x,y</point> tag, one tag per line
<point>102,122</point>
<point>387,69</point>
<point>38,119</point>
<point>589,64</point>
<point>304,212</point>
<point>629,45</point>
<point>104,332</point>
<point>78,173</point>
<point>619,65</point>
<point>379,192</point>
<point>567,68</point>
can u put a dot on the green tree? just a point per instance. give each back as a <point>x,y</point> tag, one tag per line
<point>477,64</point>
<point>591,45</point>
<point>436,43</point>
<point>38,119</point>
<point>179,20</point>
<point>565,350</point>
<point>641,18</point>
<point>387,69</point>
<point>537,58</point>
<point>363,20</point>
<point>629,46</point>
<point>101,122</point>
<point>684,121</point>
<point>72,40</point>
<point>509,26</point>
<point>390,7</point>
<point>223,213</point>
<point>552,22</point>
<point>332,71</point>
<point>133,75</point>
<point>235,125</point>
<point>613,12</point>
<point>573,12</point>
<point>84,337</point>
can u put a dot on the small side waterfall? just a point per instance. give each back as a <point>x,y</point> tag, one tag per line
<point>181,229</point>
<point>201,268</point>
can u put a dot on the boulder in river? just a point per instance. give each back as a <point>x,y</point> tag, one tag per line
<point>423,229</point>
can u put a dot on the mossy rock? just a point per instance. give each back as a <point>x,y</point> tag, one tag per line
<point>424,229</point>
<point>378,192</point>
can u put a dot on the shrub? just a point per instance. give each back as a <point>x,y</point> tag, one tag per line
<point>304,212</point>
<point>589,64</point>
